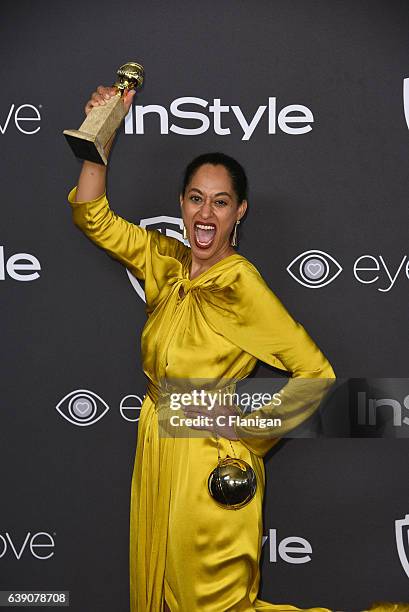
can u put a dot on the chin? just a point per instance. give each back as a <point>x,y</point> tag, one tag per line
<point>203,253</point>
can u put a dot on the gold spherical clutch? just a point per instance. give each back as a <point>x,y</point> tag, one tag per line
<point>232,483</point>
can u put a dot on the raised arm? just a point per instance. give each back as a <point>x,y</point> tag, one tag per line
<point>92,214</point>
<point>92,180</point>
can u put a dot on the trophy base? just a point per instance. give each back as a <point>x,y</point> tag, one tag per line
<point>86,146</point>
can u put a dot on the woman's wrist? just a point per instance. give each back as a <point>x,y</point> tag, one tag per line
<point>93,168</point>
<point>236,409</point>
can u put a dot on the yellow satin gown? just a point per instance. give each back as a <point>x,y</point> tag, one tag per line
<point>183,547</point>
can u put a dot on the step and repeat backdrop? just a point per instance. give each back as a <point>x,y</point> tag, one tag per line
<point>312,97</point>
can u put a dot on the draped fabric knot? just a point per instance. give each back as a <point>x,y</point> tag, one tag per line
<point>181,281</point>
<point>174,279</point>
<point>197,283</point>
<point>182,286</point>
<point>186,285</point>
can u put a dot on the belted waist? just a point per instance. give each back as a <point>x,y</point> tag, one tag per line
<point>161,392</point>
<point>152,391</point>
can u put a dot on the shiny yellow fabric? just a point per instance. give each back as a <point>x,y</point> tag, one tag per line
<point>183,547</point>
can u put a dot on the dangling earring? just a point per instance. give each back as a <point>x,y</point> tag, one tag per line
<point>234,240</point>
<point>183,225</point>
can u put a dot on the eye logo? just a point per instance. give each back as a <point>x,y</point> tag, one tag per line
<point>312,269</point>
<point>170,226</point>
<point>82,409</point>
<point>406,100</point>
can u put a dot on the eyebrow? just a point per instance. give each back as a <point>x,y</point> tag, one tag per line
<point>216,194</point>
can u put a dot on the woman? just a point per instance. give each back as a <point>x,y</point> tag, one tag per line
<point>211,315</point>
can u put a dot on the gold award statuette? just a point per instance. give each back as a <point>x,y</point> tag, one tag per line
<point>90,140</point>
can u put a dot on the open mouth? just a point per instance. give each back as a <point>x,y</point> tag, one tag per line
<point>204,234</point>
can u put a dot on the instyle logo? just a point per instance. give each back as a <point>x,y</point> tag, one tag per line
<point>83,407</point>
<point>402,542</point>
<point>39,545</point>
<point>315,269</point>
<point>24,118</point>
<point>381,410</point>
<point>292,549</point>
<point>221,118</point>
<point>19,267</point>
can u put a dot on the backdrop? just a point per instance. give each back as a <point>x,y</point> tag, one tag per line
<point>309,97</point>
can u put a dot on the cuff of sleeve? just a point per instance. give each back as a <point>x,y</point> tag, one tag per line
<point>72,195</point>
<point>259,447</point>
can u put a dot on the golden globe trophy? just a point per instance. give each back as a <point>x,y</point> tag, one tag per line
<point>89,141</point>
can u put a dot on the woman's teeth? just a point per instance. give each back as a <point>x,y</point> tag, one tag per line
<point>204,234</point>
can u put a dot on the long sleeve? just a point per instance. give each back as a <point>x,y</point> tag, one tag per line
<point>122,240</point>
<point>146,253</point>
<point>254,318</point>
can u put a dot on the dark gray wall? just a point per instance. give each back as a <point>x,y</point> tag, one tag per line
<point>341,188</point>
